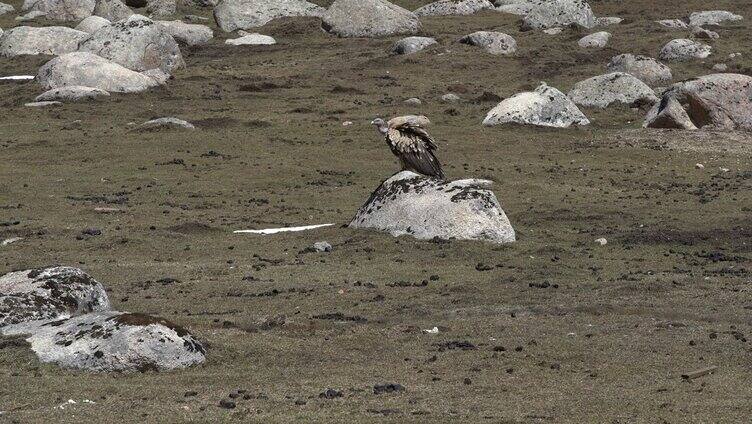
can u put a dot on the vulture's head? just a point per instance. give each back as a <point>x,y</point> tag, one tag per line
<point>380,125</point>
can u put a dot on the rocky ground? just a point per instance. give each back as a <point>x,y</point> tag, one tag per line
<point>552,328</point>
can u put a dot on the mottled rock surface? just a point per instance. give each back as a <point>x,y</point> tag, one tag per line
<point>369,18</point>
<point>546,106</point>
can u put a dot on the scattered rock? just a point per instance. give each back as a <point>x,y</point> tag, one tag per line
<point>453,7</point>
<point>49,293</point>
<point>161,8</point>
<point>545,14</point>
<point>553,31</point>
<point>426,208</point>
<point>410,45</point>
<point>602,241</point>
<point>42,104</point>
<point>137,43</point>
<point>165,123</point>
<point>322,246</point>
<point>90,70</point>
<point>492,42</point>
<point>413,101</point>
<point>53,40</point>
<point>252,40</point>
<point>673,23</point>
<point>720,67</point>
<point>546,106</point>
<point>6,8</point>
<point>647,69</point>
<point>246,14</point>
<point>682,50</point>
<point>597,40</point>
<point>717,101</point>
<point>189,34</point>
<point>72,93</point>
<point>669,113</point>
<point>330,394</point>
<point>112,341</point>
<point>112,10</point>
<point>227,404</point>
<point>699,166</point>
<point>380,389</point>
<point>713,17</point>
<point>369,18</point>
<point>450,98</point>
<point>607,21</point>
<point>92,24</point>
<point>704,34</point>
<point>617,87</point>
<point>11,240</point>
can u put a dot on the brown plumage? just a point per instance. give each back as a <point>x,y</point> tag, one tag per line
<point>408,139</point>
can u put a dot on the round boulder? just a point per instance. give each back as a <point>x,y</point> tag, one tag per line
<point>713,17</point>
<point>49,293</point>
<point>617,87</point>
<point>597,40</point>
<point>112,342</point>
<point>647,69</point>
<point>545,107</point>
<point>544,14</point>
<point>410,45</point>
<point>427,208</point>
<point>492,42</point>
<point>90,70</point>
<point>246,14</point>
<point>683,50</point>
<point>54,40</point>
<point>369,18</point>
<point>189,34</point>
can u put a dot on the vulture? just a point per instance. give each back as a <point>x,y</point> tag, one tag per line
<point>408,139</point>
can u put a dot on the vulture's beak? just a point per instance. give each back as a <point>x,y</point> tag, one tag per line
<point>373,122</point>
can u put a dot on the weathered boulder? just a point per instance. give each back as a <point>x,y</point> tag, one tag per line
<point>112,341</point>
<point>90,70</point>
<point>165,124</point>
<point>515,7</point>
<point>161,8</point>
<point>137,43</point>
<point>704,34</point>
<point>683,50</point>
<point>492,42</point>
<point>607,21</point>
<point>672,23</point>
<point>427,208</point>
<point>669,113</point>
<point>718,101</point>
<point>453,7</point>
<point>546,107</point>
<point>369,18</point>
<point>92,24</point>
<point>61,10</point>
<point>246,14</point>
<point>713,17</point>
<point>49,293</point>
<point>617,87</point>
<point>189,34</point>
<point>252,40</point>
<point>545,14</point>
<point>112,10</point>
<point>6,8</point>
<point>647,69</point>
<point>73,93</point>
<point>597,40</point>
<point>52,40</point>
<point>410,45</point>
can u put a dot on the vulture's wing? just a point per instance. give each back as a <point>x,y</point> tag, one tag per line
<point>414,147</point>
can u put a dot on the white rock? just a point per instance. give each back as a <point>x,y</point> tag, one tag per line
<point>252,40</point>
<point>11,240</point>
<point>553,31</point>
<point>720,67</point>
<point>607,21</point>
<point>713,17</point>
<point>673,23</point>
<point>426,208</point>
<point>492,42</point>
<point>597,40</point>
<point>602,241</point>
<point>165,123</point>
<point>54,40</point>
<point>546,106</point>
<point>647,69</point>
<point>137,43</point>
<point>247,14</point>
<point>699,166</point>
<point>618,87</point>
<point>112,10</point>
<point>43,104</point>
<point>190,34</point>
<point>545,14</point>
<point>453,7</point>
<point>48,293</point>
<point>669,113</point>
<point>90,70</point>
<point>92,24</point>
<point>413,101</point>
<point>450,98</point>
<point>71,94</point>
<point>682,50</point>
<point>6,8</point>
<point>61,10</point>
<point>369,18</point>
<point>410,45</point>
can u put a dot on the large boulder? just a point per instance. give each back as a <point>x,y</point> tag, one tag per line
<point>713,17</point>
<point>90,70</point>
<point>427,208</point>
<point>669,113</point>
<point>49,293</point>
<point>410,45</point>
<point>369,18</point>
<point>546,107</point>
<point>61,10</point>
<point>596,40</point>
<point>544,14</point>
<point>246,14</point>
<point>92,24</point>
<point>137,43</point>
<point>492,42</point>
<point>683,50</point>
<point>71,93</point>
<point>112,342</point>
<point>52,40</point>
<point>647,69</point>
<point>717,101</point>
<point>112,10</point>
<point>515,7</point>
<point>190,34</point>
<point>161,8</point>
<point>617,87</point>
<point>453,7</point>
<point>6,8</point>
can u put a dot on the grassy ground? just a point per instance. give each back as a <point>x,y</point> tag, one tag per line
<point>553,328</point>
